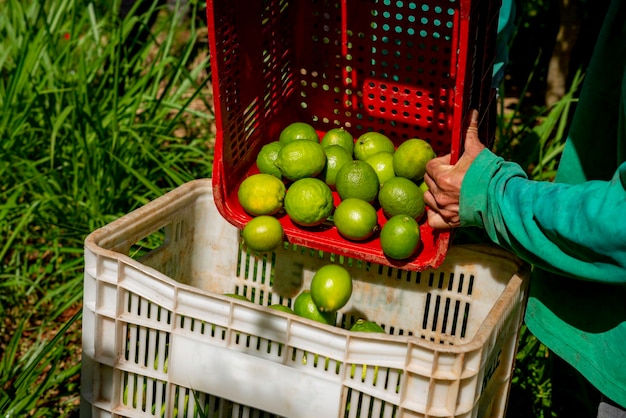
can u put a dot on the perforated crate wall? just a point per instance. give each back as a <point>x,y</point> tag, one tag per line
<point>403,68</point>
<point>161,339</point>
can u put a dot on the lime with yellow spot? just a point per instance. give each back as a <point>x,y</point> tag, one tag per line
<point>297,131</point>
<point>262,234</point>
<point>331,287</point>
<point>400,237</point>
<point>371,143</point>
<point>339,136</point>
<point>261,194</point>
<point>400,195</point>
<point>306,308</point>
<point>309,202</point>
<point>300,158</point>
<point>355,219</point>
<point>266,158</point>
<point>410,159</point>
<point>336,157</point>
<point>359,180</point>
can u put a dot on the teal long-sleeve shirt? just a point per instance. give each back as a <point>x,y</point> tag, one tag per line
<point>573,230</point>
<point>576,230</point>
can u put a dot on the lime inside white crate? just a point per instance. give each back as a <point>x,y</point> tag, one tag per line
<point>161,339</point>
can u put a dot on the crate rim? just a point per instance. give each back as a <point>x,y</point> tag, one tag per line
<point>170,202</point>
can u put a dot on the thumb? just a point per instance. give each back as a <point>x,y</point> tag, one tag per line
<point>472,146</point>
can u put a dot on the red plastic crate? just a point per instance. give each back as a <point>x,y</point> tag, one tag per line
<point>402,68</point>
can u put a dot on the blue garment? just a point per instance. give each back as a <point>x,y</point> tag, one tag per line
<point>573,230</point>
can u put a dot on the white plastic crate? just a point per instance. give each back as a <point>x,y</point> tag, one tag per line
<point>160,338</point>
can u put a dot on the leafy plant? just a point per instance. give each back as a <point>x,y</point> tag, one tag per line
<point>536,139</point>
<point>88,133</point>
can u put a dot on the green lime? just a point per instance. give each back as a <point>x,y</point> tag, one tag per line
<point>265,159</point>
<point>331,287</point>
<point>309,202</point>
<point>297,131</point>
<point>400,195</point>
<point>301,158</point>
<point>423,186</point>
<point>357,179</point>
<point>371,143</point>
<point>355,219</point>
<point>261,194</point>
<point>382,163</point>
<point>306,308</point>
<point>336,157</point>
<point>339,136</point>
<point>236,296</point>
<point>410,159</point>
<point>363,325</point>
<point>262,233</point>
<point>400,237</point>
<point>282,308</point>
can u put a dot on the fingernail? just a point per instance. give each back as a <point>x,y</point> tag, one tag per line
<point>474,116</point>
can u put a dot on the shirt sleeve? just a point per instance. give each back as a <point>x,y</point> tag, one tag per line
<point>573,230</point>
<point>506,27</point>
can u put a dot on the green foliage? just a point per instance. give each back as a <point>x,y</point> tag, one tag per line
<point>88,132</point>
<point>544,386</point>
<point>535,139</point>
<point>531,386</point>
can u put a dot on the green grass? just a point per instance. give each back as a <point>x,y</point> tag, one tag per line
<point>89,132</point>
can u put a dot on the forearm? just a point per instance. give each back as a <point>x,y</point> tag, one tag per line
<point>576,230</point>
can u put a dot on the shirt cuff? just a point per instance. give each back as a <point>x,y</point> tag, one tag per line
<point>473,200</point>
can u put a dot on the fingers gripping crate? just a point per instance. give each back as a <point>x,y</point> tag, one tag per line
<point>161,339</point>
<point>405,69</point>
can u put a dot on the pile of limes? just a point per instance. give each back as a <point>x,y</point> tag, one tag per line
<point>329,291</point>
<point>299,172</point>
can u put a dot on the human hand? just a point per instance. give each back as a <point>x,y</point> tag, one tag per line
<point>444,180</point>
